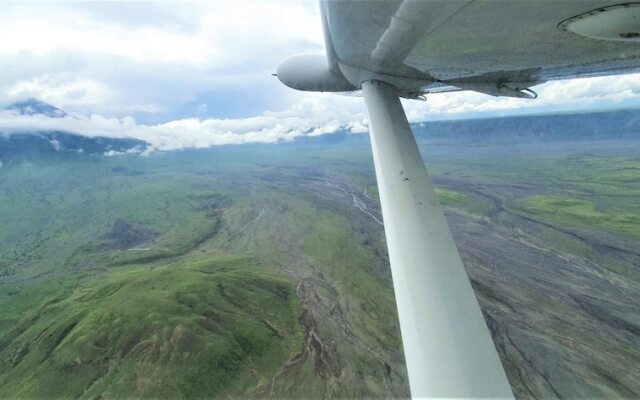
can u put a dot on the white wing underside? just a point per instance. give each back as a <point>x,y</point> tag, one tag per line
<point>454,45</point>
<point>410,48</point>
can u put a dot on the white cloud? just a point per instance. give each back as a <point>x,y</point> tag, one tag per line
<point>147,57</point>
<point>313,116</point>
<point>62,90</point>
<point>609,91</point>
<point>319,114</point>
<point>120,63</point>
<point>42,29</point>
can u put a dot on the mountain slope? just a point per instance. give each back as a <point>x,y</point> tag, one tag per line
<point>32,106</point>
<point>197,328</point>
<point>26,146</point>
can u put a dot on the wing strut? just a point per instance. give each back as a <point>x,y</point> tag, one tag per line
<point>447,345</point>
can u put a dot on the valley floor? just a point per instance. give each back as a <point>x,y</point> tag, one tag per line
<point>259,273</point>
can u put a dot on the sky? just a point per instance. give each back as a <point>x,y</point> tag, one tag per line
<point>199,74</point>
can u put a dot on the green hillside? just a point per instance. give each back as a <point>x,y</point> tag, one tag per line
<point>262,272</point>
<point>173,276</point>
<point>204,327</point>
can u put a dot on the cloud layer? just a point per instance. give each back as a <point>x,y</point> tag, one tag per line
<point>317,114</point>
<point>151,59</point>
<point>198,74</point>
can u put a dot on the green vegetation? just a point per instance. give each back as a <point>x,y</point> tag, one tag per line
<point>447,198</point>
<point>176,276</point>
<point>450,198</point>
<point>372,190</point>
<point>579,213</point>
<point>253,272</point>
<point>210,326</point>
<point>598,192</point>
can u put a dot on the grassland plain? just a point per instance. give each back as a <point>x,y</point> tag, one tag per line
<point>546,239</point>
<point>261,271</point>
<point>178,276</point>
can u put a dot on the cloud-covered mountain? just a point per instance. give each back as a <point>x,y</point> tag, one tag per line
<point>33,106</point>
<point>36,128</point>
<point>27,144</point>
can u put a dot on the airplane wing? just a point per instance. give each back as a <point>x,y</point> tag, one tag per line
<point>391,49</point>
<point>485,45</point>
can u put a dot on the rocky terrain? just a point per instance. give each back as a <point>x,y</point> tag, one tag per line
<point>262,272</point>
